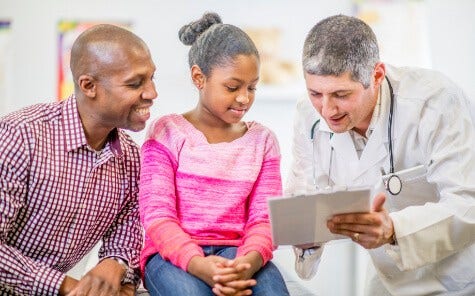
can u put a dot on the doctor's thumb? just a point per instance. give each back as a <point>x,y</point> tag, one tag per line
<point>378,202</point>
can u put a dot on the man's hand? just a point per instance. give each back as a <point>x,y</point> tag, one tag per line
<point>370,230</point>
<point>102,280</point>
<point>67,285</point>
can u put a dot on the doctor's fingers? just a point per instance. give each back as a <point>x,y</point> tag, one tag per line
<point>357,237</point>
<point>344,228</point>
<point>374,218</point>
<point>367,237</point>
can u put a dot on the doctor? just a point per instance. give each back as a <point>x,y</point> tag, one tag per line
<point>409,127</point>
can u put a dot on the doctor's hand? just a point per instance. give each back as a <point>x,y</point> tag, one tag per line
<point>370,230</point>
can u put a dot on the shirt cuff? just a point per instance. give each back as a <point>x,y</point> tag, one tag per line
<point>184,259</point>
<point>266,253</point>
<point>307,261</point>
<point>47,281</point>
<point>132,276</point>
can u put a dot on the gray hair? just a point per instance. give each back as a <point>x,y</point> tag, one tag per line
<point>340,44</point>
<point>214,43</point>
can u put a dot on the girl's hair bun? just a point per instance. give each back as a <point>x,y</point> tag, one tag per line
<point>189,33</point>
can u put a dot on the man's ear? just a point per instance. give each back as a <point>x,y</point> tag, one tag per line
<point>87,85</point>
<point>378,74</point>
<point>197,76</point>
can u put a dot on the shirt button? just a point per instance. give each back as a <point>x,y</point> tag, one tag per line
<point>83,206</point>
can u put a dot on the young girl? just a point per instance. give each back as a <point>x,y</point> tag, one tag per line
<point>206,176</point>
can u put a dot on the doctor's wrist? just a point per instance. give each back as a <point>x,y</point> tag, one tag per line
<point>393,239</point>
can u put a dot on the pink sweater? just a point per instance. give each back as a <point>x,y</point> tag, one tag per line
<point>193,193</point>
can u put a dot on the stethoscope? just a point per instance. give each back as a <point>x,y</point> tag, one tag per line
<point>393,183</point>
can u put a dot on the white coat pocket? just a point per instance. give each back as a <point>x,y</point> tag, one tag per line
<point>415,188</point>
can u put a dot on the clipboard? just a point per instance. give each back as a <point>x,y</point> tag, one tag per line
<point>303,219</point>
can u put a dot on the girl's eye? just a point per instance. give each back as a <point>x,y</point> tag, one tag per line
<point>230,88</point>
<point>253,89</point>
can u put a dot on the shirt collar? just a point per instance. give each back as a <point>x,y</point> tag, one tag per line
<point>114,140</point>
<point>74,136</point>
<point>382,99</point>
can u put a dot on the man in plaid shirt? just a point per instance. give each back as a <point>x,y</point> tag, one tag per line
<point>69,174</point>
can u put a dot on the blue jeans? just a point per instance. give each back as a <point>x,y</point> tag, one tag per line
<point>165,279</point>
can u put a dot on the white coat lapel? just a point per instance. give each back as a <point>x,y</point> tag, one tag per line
<point>375,152</point>
<point>377,147</point>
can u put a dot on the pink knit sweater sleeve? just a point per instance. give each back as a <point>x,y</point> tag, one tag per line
<point>268,184</point>
<point>157,200</point>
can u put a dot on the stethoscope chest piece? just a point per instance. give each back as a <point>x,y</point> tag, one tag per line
<point>394,185</point>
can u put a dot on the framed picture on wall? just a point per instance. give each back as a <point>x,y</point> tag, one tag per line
<point>68,31</point>
<point>5,57</point>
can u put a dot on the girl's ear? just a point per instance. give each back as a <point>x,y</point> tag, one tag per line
<point>197,76</point>
<point>87,85</point>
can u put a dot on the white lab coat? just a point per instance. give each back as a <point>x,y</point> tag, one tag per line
<point>434,215</point>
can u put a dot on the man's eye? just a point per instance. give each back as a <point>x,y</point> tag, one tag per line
<point>135,84</point>
<point>341,96</point>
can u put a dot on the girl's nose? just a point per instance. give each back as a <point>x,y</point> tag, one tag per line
<point>242,98</point>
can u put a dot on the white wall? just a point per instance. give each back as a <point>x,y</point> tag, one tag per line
<point>32,74</point>
<point>32,66</point>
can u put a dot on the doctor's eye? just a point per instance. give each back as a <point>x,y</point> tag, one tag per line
<point>341,95</point>
<point>315,95</point>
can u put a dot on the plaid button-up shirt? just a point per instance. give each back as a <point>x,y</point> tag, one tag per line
<point>59,197</point>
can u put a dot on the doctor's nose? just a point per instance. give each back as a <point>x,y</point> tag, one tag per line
<point>329,107</point>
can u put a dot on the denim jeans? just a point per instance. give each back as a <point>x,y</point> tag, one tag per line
<point>165,279</point>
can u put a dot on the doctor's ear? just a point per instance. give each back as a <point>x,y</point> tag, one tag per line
<point>197,76</point>
<point>379,73</point>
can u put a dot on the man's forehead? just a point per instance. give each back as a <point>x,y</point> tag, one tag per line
<point>330,83</point>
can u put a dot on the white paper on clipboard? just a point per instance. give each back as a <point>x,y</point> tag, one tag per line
<point>303,219</point>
